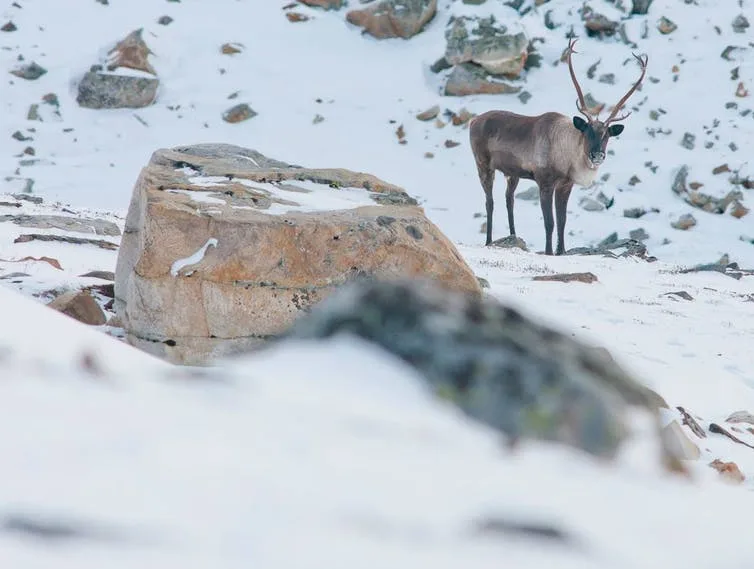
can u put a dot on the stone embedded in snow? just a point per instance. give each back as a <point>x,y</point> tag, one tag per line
<point>326,4</point>
<point>586,278</point>
<point>471,79</point>
<point>729,471</point>
<point>65,223</point>
<point>591,204</point>
<point>31,71</point>
<point>685,222</point>
<point>666,26</point>
<point>81,306</point>
<point>239,113</point>
<point>486,43</point>
<point>429,114</point>
<point>500,367</point>
<point>596,24</point>
<point>394,18</point>
<point>640,7</point>
<point>108,86</point>
<point>509,242</point>
<point>224,247</point>
<point>742,416</point>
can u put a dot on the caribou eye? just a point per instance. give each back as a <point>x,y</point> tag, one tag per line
<point>580,124</point>
<point>615,129</point>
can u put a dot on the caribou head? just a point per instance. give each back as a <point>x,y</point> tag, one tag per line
<point>597,133</point>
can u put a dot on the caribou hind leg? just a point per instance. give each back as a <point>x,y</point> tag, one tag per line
<point>487,178</point>
<point>561,202</point>
<point>509,199</point>
<point>545,198</point>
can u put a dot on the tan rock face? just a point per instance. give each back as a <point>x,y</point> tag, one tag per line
<point>224,247</point>
<point>394,18</point>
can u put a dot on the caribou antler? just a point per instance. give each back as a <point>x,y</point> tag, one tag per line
<point>580,103</point>
<point>612,118</point>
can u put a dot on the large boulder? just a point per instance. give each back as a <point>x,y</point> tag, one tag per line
<point>487,43</point>
<point>394,18</point>
<point>224,247</point>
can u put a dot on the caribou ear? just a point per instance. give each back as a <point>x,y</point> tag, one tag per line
<point>615,129</point>
<point>580,123</point>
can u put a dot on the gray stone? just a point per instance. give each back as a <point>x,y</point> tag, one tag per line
<point>30,72</point>
<point>486,43</point>
<point>510,242</point>
<point>688,141</point>
<point>740,417</point>
<point>638,234</point>
<point>640,7</point>
<point>65,223</point>
<point>740,24</point>
<point>528,380</point>
<point>99,90</point>
<point>590,204</point>
<point>685,222</point>
<point>471,79</point>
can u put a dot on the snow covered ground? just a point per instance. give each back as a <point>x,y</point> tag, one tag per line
<point>255,464</point>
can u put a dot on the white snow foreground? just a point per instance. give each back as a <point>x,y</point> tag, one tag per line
<point>308,456</point>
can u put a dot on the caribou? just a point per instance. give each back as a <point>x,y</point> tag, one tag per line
<point>551,149</point>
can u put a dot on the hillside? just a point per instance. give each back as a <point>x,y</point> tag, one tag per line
<point>231,466</point>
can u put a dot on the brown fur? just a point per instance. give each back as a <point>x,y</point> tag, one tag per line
<point>552,149</point>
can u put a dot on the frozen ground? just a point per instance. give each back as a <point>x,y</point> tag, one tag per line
<point>363,470</point>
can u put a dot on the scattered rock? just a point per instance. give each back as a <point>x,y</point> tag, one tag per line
<point>688,141</point>
<point>440,65</point>
<point>76,224</point>
<point>723,265</point>
<point>609,247</point>
<point>638,234</point>
<point>529,194</point>
<point>231,48</point>
<point>246,258</point>
<point>400,132</point>
<point>132,53</point>
<point>112,90</point>
<point>637,212</point>
<point>738,210</point>
<point>104,275</point>
<point>483,283</point>
<point>81,306</point>
<point>429,114</point>
<point>597,25</point>
<point>497,365</point>
<point>49,260</point>
<point>394,18</point>
<point>607,78</point>
<point>326,4</point>
<point>590,204</point>
<point>733,53</point>
<point>471,79</point>
<point>20,136</point>
<point>524,97</point>
<point>678,443</point>
<point>31,71</point>
<point>296,17</point>
<point>483,42</point>
<point>318,119</point>
<point>721,169</point>
<point>666,26</point>
<point>462,117</point>
<point>101,243</point>
<point>640,7</point>
<point>451,143</point>
<point>9,26</point>
<point>740,24</point>
<point>239,113</point>
<point>680,294</point>
<point>741,417</point>
<point>685,222</point>
<point>429,155</point>
<point>164,20</point>
<point>741,91</point>
<point>692,423</point>
<point>729,471</point>
<point>586,278</point>
<point>510,242</point>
